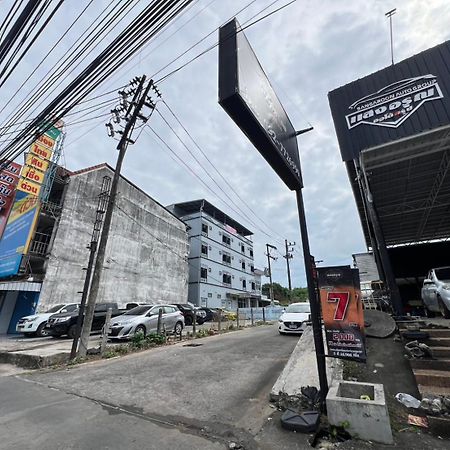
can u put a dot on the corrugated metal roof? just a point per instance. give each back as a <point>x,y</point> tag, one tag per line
<point>365,263</point>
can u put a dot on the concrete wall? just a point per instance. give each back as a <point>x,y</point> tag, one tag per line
<point>145,256</point>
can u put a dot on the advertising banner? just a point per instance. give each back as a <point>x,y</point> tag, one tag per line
<point>9,177</point>
<point>41,151</point>
<point>342,312</point>
<point>16,237</point>
<point>36,162</point>
<point>31,174</point>
<point>29,187</point>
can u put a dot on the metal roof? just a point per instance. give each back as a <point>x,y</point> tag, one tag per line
<point>409,180</point>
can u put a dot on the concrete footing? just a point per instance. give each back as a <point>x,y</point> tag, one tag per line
<point>363,418</point>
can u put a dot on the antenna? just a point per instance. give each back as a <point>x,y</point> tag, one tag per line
<point>390,14</point>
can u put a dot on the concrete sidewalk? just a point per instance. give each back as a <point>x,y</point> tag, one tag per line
<point>35,353</point>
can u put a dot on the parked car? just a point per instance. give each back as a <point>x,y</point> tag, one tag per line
<point>66,323</point>
<point>188,312</point>
<point>436,292</point>
<point>144,319</point>
<point>35,325</point>
<point>295,318</point>
<point>210,314</point>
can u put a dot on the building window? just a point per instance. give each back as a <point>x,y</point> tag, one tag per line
<point>242,303</point>
<point>219,296</point>
<point>226,258</point>
<point>244,284</point>
<point>226,279</point>
<point>252,268</point>
<point>204,229</point>
<point>251,253</point>
<point>243,265</point>
<point>209,295</point>
<point>258,286</point>
<point>224,303</point>
<point>204,273</point>
<point>253,286</point>
<point>243,248</point>
<point>204,250</point>
<point>204,301</point>
<point>226,239</point>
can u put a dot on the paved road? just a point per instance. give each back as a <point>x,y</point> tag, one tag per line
<point>175,397</point>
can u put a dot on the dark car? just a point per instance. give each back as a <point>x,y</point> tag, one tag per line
<point>210,314</point>
<point>188,312</point>
<point>66,323</point>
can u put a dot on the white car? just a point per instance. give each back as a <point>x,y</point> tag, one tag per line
<point>436,292</point>
<point>144,319</point>
<point>294,319</point>
<point>35,325</point>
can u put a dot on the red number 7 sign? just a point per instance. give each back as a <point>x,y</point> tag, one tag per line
<point>342,300</point>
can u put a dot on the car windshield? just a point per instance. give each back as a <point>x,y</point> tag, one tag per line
<point>298,308</point>
<point>442,274</point>
<point>56,308</point>
<point>139,310</point>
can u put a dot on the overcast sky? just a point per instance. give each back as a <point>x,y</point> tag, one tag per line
<point>306,49</point>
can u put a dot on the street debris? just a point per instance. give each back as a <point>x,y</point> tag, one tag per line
<point>417,421</point>
<point>416,349</point>
<point>408,400</point>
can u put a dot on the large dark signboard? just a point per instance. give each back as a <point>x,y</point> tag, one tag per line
<point>248,97</point>
<point>342,312</point>
<point>402,100</point>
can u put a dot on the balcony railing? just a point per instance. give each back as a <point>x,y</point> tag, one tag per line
<point>39,245</point>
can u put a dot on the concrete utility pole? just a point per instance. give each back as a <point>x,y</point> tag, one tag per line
<point>132,114</point>
<point>289,256</point>
<point>101,209</point>
<point>269,257</point>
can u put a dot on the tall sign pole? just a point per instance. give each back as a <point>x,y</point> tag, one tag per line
<point>389,14</point>
<point>133,113</point>
<point>247,96</point>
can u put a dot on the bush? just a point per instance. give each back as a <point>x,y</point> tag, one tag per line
<point>156,339</point>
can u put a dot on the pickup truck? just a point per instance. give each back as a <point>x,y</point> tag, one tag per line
<point>66,323</point>
<point>436,292</point>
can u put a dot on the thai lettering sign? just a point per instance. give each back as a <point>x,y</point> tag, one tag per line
<point>9,177</point>
<point>393,104</point>
<point>342,312</point>
<point>36,162</point>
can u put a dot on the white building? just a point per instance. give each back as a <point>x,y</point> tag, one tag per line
<point>221,265</point>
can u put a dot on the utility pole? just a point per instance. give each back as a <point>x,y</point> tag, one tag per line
<point>289,256</point>
<point>269,257</point>
<point>132,112</point>
<point>389,14</point>
<point>101,209</point>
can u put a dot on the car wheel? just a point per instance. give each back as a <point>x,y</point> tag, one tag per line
<point>41,331</point>
<point>178,328</point>
<point>444,311</point>
<point>140,329</point>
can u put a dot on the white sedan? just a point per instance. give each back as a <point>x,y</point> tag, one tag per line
<point>294,319</point>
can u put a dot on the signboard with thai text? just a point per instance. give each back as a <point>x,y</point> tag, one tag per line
<point>9,177</point>
<point>342,312</point>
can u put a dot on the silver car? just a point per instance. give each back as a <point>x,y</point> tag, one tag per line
<point>144,319</point>
<point>436,291</point>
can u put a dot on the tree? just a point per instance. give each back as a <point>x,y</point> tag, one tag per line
<point>281,293</point>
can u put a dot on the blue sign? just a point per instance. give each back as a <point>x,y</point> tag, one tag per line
<point>17,234</point>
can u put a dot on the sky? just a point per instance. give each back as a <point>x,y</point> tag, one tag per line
<point>307,49</point>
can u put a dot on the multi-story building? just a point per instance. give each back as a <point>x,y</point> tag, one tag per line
<point>221,265</point>
<point>145,256</point>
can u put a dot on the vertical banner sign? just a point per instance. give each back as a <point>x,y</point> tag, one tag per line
<point>9,178</point>
<point>342,312</point>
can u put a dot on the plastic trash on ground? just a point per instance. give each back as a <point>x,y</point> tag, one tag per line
<point>408,400</point>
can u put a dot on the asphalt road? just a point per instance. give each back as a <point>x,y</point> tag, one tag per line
<point>175,397</point>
